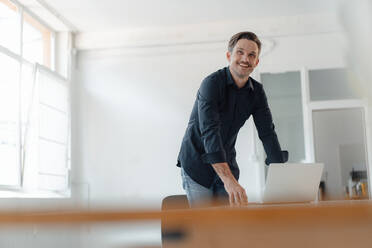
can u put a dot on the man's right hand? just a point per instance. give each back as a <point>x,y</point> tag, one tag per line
<point>237,194</point>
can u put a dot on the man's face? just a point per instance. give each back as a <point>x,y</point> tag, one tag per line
<point>243,58</point>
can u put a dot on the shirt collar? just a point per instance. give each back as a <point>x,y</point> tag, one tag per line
<point>230,81</point>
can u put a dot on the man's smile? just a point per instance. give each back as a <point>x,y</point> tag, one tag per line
<point>244,66</point>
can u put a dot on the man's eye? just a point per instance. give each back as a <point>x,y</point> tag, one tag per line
<point>240,52</point>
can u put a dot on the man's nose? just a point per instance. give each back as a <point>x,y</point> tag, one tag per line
<point>245,58</point>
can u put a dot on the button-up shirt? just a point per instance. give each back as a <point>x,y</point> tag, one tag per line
<point>220,110</point>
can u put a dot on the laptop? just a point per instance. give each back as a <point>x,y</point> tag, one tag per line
<point>292,182</point>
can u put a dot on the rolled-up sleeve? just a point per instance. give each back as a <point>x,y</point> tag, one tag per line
<point>266,130</point>
<point>209,122</point>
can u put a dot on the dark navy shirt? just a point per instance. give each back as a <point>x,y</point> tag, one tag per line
<point>219,111</point>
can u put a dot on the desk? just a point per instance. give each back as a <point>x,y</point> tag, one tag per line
<point>326,224</point>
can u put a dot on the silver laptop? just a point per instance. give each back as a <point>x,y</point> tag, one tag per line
<point>292,183</point>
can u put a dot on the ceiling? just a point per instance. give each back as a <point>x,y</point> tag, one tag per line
<point>108,15</point>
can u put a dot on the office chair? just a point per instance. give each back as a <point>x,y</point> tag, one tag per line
<point>172,202</point>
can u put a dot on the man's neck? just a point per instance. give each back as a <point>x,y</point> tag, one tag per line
<point>240,82</point>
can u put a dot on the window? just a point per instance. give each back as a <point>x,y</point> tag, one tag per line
<point>46,130</point>
<point>37,41</point>
<point>9,135</point>
<point>9,26</point>
<point>34,107</point>
<point>285,99</point>
<point>331,84</point>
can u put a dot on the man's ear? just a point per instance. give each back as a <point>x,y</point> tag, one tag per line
<point>258,61</point>
<point>228,56</point>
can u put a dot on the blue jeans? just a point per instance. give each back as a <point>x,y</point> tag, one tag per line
<point>198,195</point>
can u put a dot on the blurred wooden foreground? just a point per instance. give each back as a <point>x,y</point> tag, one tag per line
<point>327,224</point>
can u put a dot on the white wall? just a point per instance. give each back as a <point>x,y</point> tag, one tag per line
<point>133,111</point>
<point>132,107</point>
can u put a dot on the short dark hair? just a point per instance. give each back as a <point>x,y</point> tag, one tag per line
<point>243,35</point>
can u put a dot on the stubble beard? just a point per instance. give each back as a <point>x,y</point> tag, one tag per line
<point>241,75</point>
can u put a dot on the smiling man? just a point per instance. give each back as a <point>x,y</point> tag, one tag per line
<point>225,100</point>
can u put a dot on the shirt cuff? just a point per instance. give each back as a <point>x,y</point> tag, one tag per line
<point>214,157</point>
<point>284,158</point>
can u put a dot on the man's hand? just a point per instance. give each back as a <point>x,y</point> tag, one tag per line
<point>237,194</point>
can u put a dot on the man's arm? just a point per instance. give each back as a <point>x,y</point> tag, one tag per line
<point>237,194</point>
<point>266,130</point>
<point>209,124</point>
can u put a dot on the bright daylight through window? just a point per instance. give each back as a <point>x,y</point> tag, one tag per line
<point>34,107</point>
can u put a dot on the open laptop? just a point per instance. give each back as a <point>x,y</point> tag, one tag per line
<point>292,183</point>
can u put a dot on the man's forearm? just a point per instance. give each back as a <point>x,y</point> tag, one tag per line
<point>224,172</point>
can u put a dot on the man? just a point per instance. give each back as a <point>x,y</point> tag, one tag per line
<point>225,100</point>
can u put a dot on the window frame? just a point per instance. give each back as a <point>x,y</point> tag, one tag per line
<point>21,11</point>
<point>43,28</point>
